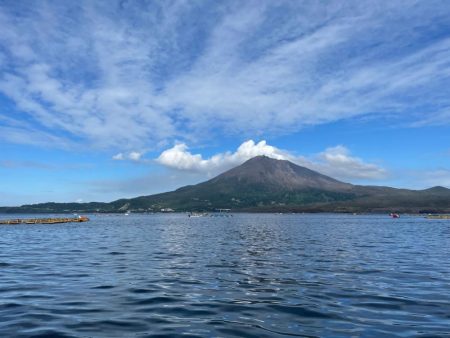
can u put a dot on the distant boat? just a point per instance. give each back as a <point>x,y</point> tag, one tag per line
<point>197,214</point>
<point>394,215</point>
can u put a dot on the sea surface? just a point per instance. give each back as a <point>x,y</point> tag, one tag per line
<point>250,275</point>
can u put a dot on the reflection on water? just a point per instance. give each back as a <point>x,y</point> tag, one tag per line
<point>243,276</point>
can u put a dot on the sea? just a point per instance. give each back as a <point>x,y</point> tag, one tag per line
<point>226,275</point>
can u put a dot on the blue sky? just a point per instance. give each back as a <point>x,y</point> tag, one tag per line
<point>102,99</point>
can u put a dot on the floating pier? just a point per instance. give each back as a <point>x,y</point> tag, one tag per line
<point>44,220</point>
<point>438,216</point>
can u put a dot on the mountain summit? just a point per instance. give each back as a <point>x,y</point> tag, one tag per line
<point>267,184</point>
<point>280,174</point>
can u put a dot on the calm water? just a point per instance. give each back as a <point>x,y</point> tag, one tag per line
<point>243,276</point>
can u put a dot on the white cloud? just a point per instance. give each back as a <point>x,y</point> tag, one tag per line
<point>335,161</point>
<point>132,156</point>
<point>123,77</point>
<point>118,157</point>
<point>338,162</point>
<point>178,157</point>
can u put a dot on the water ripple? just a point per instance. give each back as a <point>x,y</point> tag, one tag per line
<point>243,276</point>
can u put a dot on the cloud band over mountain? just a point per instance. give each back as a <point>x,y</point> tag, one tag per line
<point>335,161</point>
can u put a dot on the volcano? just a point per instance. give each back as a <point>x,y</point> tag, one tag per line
<point>264,184</point>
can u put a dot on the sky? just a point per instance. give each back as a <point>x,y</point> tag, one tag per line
<point>101,100</point>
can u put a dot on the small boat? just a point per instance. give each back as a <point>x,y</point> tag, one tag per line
<point>197,214</point>
<point>394,215</point>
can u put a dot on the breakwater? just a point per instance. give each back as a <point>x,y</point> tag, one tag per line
<point>44,220</point>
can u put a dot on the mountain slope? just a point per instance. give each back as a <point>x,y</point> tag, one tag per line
<point>259,181</point>
<point>278,175</point>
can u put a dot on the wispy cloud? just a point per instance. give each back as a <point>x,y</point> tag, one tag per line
<point>109,74</point>
<point>437,177</point>
<point>9,164</point>
<point>336,161</point>
<point>132,156</point>
<point>339,162</point>
<point>108,190</point>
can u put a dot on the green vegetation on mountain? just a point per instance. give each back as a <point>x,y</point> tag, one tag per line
<point>267,185</point>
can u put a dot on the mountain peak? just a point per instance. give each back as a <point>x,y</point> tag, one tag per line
<point>263,160</point>
<point>280,174</point>
<point>437,189</point>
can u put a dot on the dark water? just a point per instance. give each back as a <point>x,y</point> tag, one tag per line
<point>243,276</point>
